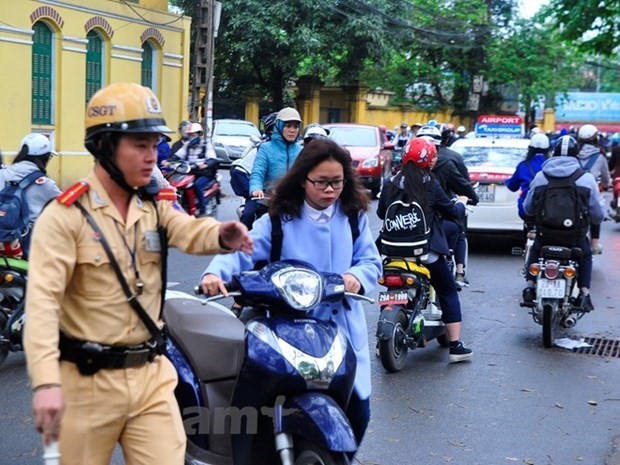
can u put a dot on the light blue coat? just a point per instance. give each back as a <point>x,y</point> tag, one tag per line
<point>273,160</point>
<point>328,247</point>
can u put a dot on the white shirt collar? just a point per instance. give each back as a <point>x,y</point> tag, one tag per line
<point>321,216</point>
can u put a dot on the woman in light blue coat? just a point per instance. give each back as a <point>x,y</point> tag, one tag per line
<point>314,201</point>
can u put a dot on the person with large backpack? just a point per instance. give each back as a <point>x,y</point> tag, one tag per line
<point>564,200</point>
<point>313,203</point>
<point>592,158</point>
<point>25,189</point>
<point>412,206</point>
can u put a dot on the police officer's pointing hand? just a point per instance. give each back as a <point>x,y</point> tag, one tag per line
<point>234,236</point>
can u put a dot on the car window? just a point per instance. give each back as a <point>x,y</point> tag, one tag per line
<point>235,129</point>
<point>497,157</point>
<point>354,137</point>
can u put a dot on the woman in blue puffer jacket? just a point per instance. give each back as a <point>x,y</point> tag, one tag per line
<point>273,159</point>
<point>526,170</point>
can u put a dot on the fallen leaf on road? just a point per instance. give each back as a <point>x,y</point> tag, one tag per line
<point>558,405</point>
<point>592,402</point>
<point>512,459</point>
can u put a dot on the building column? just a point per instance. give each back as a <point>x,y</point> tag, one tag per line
<point>549,120</point>
<point>309,99</point>
<point>356,99</point>
<point>252,106</point>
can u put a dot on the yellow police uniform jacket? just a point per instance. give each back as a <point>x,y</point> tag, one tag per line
<point>72,286</point>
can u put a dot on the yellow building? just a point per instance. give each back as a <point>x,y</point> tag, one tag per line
<point>54,54</point>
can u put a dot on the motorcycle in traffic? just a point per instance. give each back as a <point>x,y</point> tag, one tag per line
<point>13,278</point>
<point>410,315</point>
<point>273,390</point>
<point>614,212</point>
<point>182,176</point>
<point>555,274</point>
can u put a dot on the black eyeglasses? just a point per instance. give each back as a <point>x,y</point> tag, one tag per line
<point>322,184</point>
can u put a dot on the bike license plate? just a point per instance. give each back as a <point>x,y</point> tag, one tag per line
<point>486,192</point>
<point>393,298</point>
<point>551,288</point>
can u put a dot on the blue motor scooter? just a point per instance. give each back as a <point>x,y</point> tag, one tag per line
<point>273,390</point>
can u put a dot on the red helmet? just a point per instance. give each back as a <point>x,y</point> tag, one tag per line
<point>420,152</point>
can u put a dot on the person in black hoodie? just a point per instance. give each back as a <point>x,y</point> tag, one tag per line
<point>415,182</point>
<point>453,176</point>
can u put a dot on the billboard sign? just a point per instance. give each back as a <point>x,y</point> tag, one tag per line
<point>588,107</point>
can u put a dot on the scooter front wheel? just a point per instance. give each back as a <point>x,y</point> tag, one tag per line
<point>393,350</point>
<point>309,453</point>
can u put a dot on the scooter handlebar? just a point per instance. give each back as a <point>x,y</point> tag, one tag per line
<point>231,293</point>
<point>360,297</point>
<point>198,290</point>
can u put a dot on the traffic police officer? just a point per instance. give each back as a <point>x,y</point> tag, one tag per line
<point>98,376</point>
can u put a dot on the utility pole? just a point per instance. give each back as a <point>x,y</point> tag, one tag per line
<point>202,89</point>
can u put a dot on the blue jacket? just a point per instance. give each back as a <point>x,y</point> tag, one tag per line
<point>440,207</point>
<point>523,175</point>
<point>563,167</point>
<point>329,247</point>
<point>273,160</point>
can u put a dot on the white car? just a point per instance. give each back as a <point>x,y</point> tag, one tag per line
<point>231,137</point>
<point>491,161</point>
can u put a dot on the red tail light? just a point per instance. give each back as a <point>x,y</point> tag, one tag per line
<point>394,280</point>
<point>552,269</point>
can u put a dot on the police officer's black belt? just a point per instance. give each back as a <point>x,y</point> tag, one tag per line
<point>132,298</point>
<point>91,357</point>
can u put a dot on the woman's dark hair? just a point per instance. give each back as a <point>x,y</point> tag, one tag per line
<point>289,193</point>
<point>413,181</point>
<point>39,160</point>
<point>532,151</point>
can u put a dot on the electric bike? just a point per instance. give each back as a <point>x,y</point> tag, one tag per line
<point>410,315</point>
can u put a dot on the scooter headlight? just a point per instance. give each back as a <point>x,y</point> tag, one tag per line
<point>302,289</point>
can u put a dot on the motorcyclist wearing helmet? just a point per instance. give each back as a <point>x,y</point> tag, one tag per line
<point>183,125</point>
<point>453,176</point>
<point>537,153</point>
<point>200,154</point>
<point>614,160</point>
<point>241,168</point>
<point>447,134</point>
<point>268,123</point>
<point>593,159</point>
<point>563,164</point>
<point>314,131</point>
<point>96,369</point>
<point>34,154</point>
<point>415,182</point>
<point>402,137</point>
<point>274,158</point>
